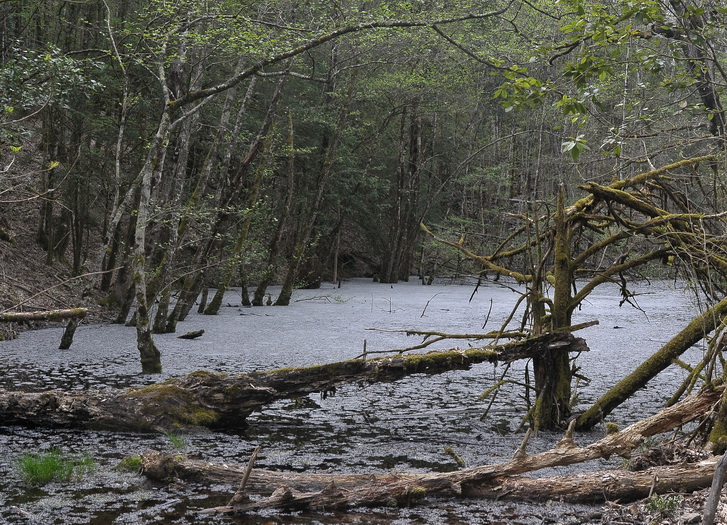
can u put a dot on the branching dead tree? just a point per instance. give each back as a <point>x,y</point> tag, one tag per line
<point>628,224</point>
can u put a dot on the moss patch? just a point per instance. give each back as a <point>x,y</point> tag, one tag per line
<point>129,464</point>
<point>177,405</point>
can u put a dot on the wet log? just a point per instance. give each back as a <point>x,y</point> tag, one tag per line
<point>224,401</point>
<point>75,316</point>
<point>504,480</point>
<point>192,335</point>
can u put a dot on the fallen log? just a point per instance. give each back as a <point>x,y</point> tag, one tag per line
<point>696,330</point>
<point>335,491</point>
<point>224,401</point>
<point>75,316</point>
<point>593,487</point>
<point>192,335</point>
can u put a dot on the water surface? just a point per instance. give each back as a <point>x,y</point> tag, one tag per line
<point>402,426</point>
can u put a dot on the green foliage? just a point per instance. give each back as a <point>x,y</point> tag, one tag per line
<point>663,506</point>
<point>177,439</point>
<point>129,464</point>
<point>54,465</point>
<point>576,146</point>
<point>46,77</point>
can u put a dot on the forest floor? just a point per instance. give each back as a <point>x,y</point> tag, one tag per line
<point>27,282</point>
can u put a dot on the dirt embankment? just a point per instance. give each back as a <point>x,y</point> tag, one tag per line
<point>27,282</point>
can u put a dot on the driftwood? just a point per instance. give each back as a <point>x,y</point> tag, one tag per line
<point>715,492</point>
<point>331,491</point>
<point>224,401</point>
<point>192,335</point>
<point>74,315</point>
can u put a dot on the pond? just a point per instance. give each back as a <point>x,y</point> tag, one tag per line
<point>402,426</point>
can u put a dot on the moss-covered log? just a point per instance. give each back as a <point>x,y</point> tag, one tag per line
<point>224,401</point>
<point>697,329</point>
<point>304,490</point>
<point>46,315</point>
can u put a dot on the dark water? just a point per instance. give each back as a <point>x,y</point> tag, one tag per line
<point>402,426</point>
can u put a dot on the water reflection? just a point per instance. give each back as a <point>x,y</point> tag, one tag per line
<point>375,428</point>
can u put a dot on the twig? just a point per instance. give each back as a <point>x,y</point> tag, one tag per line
<point>441,336</point>
<point>239,496</point>
<point>456,457</point>
<point>46,290</point>
<point>427,305</point>
<point>487,317</point>
<point>520,452</point>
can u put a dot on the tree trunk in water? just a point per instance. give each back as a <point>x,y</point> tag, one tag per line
<point>203,300</point>
<point>552,370</point>
<point>192,284</point>
<point>488,481</point>
<point>699,328</point>
<point>149,354</point>
<point>261,143</point>
<point>224,401</point>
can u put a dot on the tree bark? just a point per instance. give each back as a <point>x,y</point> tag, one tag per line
<point>495,481</point>
<point>699,328</point>
<point>552,370</point>
<point>224,401</point>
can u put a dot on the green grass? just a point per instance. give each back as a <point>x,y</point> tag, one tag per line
<point>663,506</point>
<point>129,464</point>
<point>52,465</point>
<point>178,440</point>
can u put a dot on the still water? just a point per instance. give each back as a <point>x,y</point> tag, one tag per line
<point>402,426</point>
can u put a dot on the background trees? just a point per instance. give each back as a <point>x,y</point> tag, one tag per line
<point>178,145</point>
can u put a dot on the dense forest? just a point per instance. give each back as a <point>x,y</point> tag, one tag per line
<point>168,147</point>
<point>161,149</point>
<point>171,146</point>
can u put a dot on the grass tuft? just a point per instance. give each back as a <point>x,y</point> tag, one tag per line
<point>52,465</point>
<point>177,439</point>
